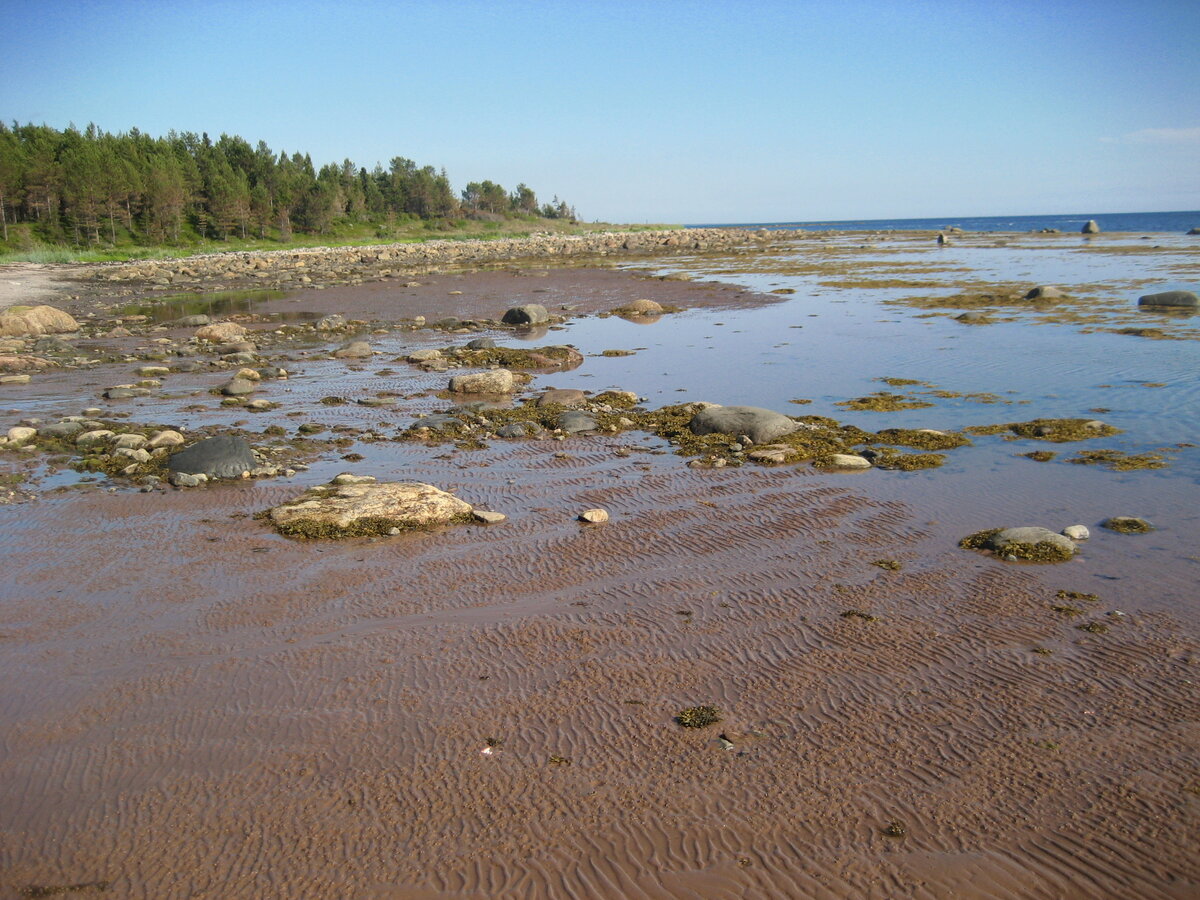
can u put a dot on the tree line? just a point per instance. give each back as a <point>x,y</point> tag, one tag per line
<point>92,187</point>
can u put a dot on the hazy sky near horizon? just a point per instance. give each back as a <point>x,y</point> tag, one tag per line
<point>664,111</point>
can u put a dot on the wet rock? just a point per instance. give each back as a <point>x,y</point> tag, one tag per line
<point>96,436</point>
<point>495,381</point>
<point>575,422</point>
<point>1171,299</point>
<point>1029,542</point>
<point>761,425</point>
<point>346,510</point>
<point>487,517</point>
<point>1194,230</point>
<point>519,430</point>
<point>15,379</point>
<point>52,344</point>
<point>1044,293</point>
<point>24,363</point>
<point>220,332</point>
<point>353,350</point>
<point>234,347</point>
<point>481,344</point>
<point>61,429</point>
<point>129,441</point>
<point>351,478</point>
<point>528,314</point>
<point>30,321</point>
<point>418,356</point>
<point>125,392</point>
<point>192,321</point>
<point>774,454</point>
<point>594,516</point>
<point>1090,227</point>
<point>1077,532</point>
<point>562,397</point>
<point>942,240</point>
<point>436,421</point>
<point>225,456</point>
<point>153,371</point>
<point>1127,525</point>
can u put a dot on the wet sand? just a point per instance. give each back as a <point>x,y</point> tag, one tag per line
<point>198,707</point>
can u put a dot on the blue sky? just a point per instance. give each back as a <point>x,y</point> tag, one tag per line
<point>661,111</point>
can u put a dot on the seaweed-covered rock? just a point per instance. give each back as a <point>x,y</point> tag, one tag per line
<point>1127,525</point>
<point>1028,542</point>
<point>349,510</point>
<point>528,314</point>
<point>1171,300</point>
<point>761,425</point>
<point>225,456</point>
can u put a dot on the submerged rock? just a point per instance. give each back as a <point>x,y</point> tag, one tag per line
<point>1127,525</point>
<point>761,425</point>
<point>349,510</point>
<point>225,456</point>
<point>1171,299</point>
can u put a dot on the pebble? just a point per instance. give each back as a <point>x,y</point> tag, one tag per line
<point>1077,532</point>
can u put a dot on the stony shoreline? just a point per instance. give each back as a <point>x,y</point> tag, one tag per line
<point>325,265</point>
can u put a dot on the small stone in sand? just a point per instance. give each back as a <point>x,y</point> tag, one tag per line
<point>594,516</point>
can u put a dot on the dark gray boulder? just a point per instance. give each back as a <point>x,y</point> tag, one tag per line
<point>529,314</point>
<point>481,344</point>
<point>761,425</point>
<point>1174,299</point>
<point>1194,231</point>
<point>225,456</point>
<point>1044,293</point>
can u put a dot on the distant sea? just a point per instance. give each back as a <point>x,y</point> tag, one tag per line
<point>1177,222</point>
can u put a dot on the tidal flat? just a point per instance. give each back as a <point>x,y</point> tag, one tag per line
<point>198,705</point>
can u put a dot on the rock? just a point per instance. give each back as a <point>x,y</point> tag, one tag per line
<point>259,405</point>
<point>346,510</point>
<point>20,434</point>
<point>762,425</point>
<point>61,429</point>
<point>184,479</point>
<point>640,307</point>
<point>220,332</point>
<point>153,371</point>
<point>1044,292</point>
<point>351,478</point>
<point>1127,525</point>
<point>51,344</point>
<point>563,397</point>
<point>973,317</point>
<point>226,456</point>
<point>519,430</point>
<point>1175,299</point>
<point>192,321</point>
<point>529,314</point>
<point>1090,227</point>
<point>129,441</point>
<point>248,374</point>
<point>238,387</point>
<point>774,454</point>
<point>353,350</point>
<point>494,381</point>
<point>23,321</point>
<point>138,455</point>
<point>487,517</point>
<point>481,344</point>
<point>942,240</point>
<point>125,392</point>
<point>1194,230</point>
<point>424,355</point>
<point>234,347</point>
<point>24,363</point>
<point>575,422</point>
<point>849,461</point>
<point>1077,532</point>
<point>15,379</point>
<point>1031,542</point>
<point>594,516</point>
<point>94,437</point>
<point>165,438</point>
<point>330,323</point>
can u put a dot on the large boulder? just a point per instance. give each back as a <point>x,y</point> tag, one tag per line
<point>528,314</point>
<point>225,456</point>
<point>1171,299</point>
<point>31,321</point>
<point>494,381</point>
<point>1044,293</point>
<point>1090,227</point>
<point>354,350</point>
<point>348,510</point>
<point>640,307</point>
<point>761,425</point>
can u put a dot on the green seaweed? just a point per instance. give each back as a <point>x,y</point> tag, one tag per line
<point>1119,461</point>
<point>884,401</point>
<point>698,717</point>
<point>1055,430</point>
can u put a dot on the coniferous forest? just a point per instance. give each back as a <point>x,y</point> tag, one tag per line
<point>92,188</point>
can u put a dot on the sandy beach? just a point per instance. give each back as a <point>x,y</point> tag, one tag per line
<point>198,706</point>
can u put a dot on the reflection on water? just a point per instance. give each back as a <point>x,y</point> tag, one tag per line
<point>221,303</point>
